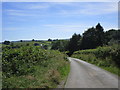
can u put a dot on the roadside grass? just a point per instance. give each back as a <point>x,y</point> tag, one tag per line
<point>43,77</point>
<point>104,57</point>
<point>114,70</point>
<point>50,69</point>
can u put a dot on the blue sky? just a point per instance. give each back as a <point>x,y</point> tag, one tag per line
<point>55,20</point>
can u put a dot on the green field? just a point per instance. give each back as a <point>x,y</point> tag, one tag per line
<point>45,44</point>
<point>32,66</point>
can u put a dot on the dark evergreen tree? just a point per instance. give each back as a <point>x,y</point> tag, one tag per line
<point>93,37</point>
<point>100,35</point>
<point>89,39</point>
<point>74,44</point>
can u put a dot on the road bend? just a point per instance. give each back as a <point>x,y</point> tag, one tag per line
<point>86,75</point>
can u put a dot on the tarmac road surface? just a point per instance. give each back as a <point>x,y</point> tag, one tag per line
<point>86,75</point>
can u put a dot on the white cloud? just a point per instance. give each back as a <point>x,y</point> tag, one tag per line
<point>26,9</point>
<point>78,9</point>
<point>13,12</point>
<point>91,9</point>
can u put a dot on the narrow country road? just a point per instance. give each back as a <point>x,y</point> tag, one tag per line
<point>85,75</point>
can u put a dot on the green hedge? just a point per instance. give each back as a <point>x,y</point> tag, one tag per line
<point>107,56</point>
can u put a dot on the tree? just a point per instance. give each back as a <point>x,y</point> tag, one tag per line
<point>33,40</point>
<point>59,45</point>
<point>49,39</point>
<point>6,42</point>
<point>112,36</point>
<point>93,37</point>
<point>55,40</point>
<point>89,39</point>
<point>100,35</point>
<point>74,44</point>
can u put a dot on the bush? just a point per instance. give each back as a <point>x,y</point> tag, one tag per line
<point>36,44</point>
<point>6,42</point>
<point>105,57</point>
<point>19,61</point>
<point>115,53</point>
<point>31,66</point>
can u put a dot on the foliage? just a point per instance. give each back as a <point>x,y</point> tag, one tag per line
<point>93,37</point>
<point>60,45</point>
<point>49,39</point>
<point>17,44</point>
<point>112,36</point>
<point>115,53</point>
<point>73,44</point>
<point>6,42</point>
<point>106,57</point>
<point>32,66</point>
<point>90,39</point>
<point>99,35</point>
<point>36,44</point>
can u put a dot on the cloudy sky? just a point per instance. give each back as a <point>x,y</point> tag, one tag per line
<point>43,20</point>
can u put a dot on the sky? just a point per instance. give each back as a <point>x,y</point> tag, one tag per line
<point>60,0</point>
<point>55,20</point>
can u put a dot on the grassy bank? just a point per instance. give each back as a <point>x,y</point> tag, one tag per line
<point>107,57</point>
<point>33,67</point>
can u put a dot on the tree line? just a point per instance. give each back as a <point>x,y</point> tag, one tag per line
<point>90,39</point>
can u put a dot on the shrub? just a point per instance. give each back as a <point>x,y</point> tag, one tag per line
<point>106,57</point>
